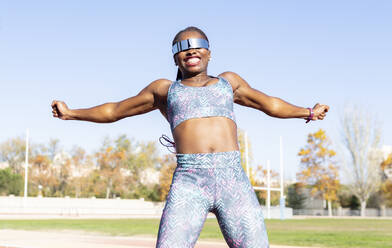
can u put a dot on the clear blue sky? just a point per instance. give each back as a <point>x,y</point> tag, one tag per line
<point>90,52</point>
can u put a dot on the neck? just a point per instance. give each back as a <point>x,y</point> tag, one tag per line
<point>196,78</point>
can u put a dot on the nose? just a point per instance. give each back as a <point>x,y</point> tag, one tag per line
<point>190,51</point>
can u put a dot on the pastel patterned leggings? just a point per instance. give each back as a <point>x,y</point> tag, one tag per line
<point>211,182</point>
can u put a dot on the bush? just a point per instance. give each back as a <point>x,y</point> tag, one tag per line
<point>295,196</point>
<point>10,183</point>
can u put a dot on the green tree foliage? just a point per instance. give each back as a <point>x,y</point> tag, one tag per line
<point>10,183</point>
<point>147,193</point>
<point>348,200</point>
<point>120,168</point>
<point>295,196</point>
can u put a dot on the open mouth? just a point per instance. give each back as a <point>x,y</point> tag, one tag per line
<point>192,61</point>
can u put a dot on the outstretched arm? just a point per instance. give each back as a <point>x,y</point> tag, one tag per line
<point>143,102</point>
<point>272,106</point>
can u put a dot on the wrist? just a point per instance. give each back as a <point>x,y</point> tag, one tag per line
<point>310,116</point>
<point>69,114</point>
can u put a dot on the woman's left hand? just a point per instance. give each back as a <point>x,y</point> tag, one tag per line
<point>319,111</point>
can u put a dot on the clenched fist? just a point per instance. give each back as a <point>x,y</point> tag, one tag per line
<point>60,110</point>
<point>319,112</point>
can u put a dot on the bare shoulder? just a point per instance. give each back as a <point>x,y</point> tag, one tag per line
<point>159,87</point>
<point>234,79</point>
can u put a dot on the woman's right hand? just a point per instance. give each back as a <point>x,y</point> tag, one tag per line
<point>60,110</point>
<point>147,100</point>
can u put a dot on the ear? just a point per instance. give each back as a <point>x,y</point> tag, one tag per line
<point>209,55</point>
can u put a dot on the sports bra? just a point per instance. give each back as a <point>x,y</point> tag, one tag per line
<point>187,102</point>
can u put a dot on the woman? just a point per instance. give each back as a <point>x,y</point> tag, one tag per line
<point>209,176</point>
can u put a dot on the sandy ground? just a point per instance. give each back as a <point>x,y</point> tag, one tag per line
<point>70,239</point>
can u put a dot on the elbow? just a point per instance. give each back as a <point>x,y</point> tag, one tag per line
<point>273,108</point>
<point>110,115</point>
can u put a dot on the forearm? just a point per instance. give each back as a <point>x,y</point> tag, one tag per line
<point>101,114</point>
<point>282,109</point>
<point>146,101</point>
<point>272,106</point>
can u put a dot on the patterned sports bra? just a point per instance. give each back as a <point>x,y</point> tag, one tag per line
<point>187,102</point>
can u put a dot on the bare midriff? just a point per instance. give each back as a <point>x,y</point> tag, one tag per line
<point>206,135</point>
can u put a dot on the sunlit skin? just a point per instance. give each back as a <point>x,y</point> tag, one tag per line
<point>193,135</point>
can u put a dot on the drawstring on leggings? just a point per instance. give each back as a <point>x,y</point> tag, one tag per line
<point>169,143</point>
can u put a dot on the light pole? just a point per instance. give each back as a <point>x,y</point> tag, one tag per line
<point>246,154</point>
<point>26,163</point>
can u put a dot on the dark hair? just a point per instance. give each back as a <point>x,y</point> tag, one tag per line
<point>177,37</point>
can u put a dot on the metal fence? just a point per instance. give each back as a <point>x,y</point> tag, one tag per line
<point>370,212</point>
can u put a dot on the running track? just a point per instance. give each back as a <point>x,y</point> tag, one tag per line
<point>69,239</point>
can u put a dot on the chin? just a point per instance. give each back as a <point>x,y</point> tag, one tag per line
<point>195,69</point>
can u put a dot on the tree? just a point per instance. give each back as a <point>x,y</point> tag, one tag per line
<point>142,160</point>
<point>361,136</point>
<point>295,196</point>
<point>62,172</point>
<point>81,166</point>
<point>145,155</point>
<point>121,163</point>
<point>318,167</point>
<point>347,199</point>
<point>42,173</point>
<point>53,148</point>
<point>110,159</point>
<point>168,165</point>
<point>10,183</point>
<point>386,184</point>
<point>13,152</point>
<point>258,177</point>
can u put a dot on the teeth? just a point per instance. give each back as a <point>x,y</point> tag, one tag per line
<point>193,60</point>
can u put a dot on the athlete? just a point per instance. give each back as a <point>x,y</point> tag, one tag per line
<point>209,176</point>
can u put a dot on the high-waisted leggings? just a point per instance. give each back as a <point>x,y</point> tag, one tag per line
<point>211,182</point>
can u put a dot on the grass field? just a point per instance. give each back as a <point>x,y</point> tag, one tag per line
<point>367,233</point>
